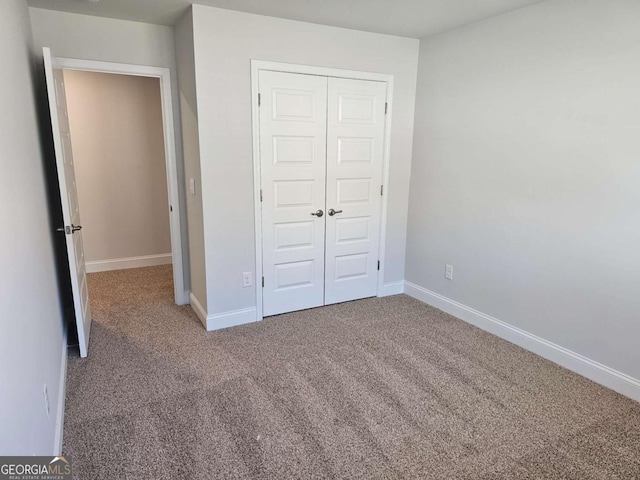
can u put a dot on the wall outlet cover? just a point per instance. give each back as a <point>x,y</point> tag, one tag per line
<point>448,272</point>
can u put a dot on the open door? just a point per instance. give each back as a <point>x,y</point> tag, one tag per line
<point>69,197</point>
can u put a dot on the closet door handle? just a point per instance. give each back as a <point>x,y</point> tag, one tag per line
<point>318,214</point>
<point>333,212</point>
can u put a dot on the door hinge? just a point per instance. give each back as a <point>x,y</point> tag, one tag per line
<point>260,194</point>
<point>171,208</point>
<point>262,282</point>
<point>386,107</point>
<point>378,264</point>
<point>381,190</point>
<point>259,99</point>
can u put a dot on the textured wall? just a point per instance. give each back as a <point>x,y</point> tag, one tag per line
<point>525,173</point>
<point>185,56</point>
<point>32,343</point>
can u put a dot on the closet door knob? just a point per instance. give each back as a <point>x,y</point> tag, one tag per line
<point>318,214</point>
<point>333,212</point>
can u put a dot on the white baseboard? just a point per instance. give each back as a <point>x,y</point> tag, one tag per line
<point>606,376</point>
<point>197,307</point>
<point>393,288</point>
<point>62,391</point>
<point>218,321</point>
<point>131,262</point>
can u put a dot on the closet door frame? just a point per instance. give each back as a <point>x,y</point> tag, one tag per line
<point>256,67</point>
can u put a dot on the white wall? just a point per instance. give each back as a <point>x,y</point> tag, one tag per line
<point>104,39</point>
<point>185,57</point>
<point>118,148</point>
<point>225,43</point>
<point>32,343</point>
<point>526,174</point>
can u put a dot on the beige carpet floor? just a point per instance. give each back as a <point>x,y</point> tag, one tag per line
<point>373,389</point>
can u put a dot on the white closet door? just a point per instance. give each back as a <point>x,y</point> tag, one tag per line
<point>355,149</point>
<point>293,123</point>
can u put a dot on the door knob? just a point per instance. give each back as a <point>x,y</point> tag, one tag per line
<point>318,214</point>
<point>333,212</point>
<point>69,229</point>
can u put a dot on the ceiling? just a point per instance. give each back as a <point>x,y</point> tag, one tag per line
<point>408,18</point>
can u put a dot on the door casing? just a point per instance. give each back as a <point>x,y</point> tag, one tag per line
<point>181,295</point>
<point>256,67</point>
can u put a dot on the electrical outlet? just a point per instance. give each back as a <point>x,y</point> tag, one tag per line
<point>47,405</point>
<point>448,272</point>
<point>247,279</point>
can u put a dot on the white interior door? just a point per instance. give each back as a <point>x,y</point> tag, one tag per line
<point>69,197</point>
<point>293,122</point>
<point>355,151</point>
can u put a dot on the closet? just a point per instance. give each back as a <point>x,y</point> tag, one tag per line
<point>321,149</point>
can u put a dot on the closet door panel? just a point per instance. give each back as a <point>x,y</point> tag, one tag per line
<point>293,166</point>
<point>355,149</point>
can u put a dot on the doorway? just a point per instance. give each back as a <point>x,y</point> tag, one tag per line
<point>162,148</point>
<point>320,140</point>
<point>170,193</point>
<point>118,149</point>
